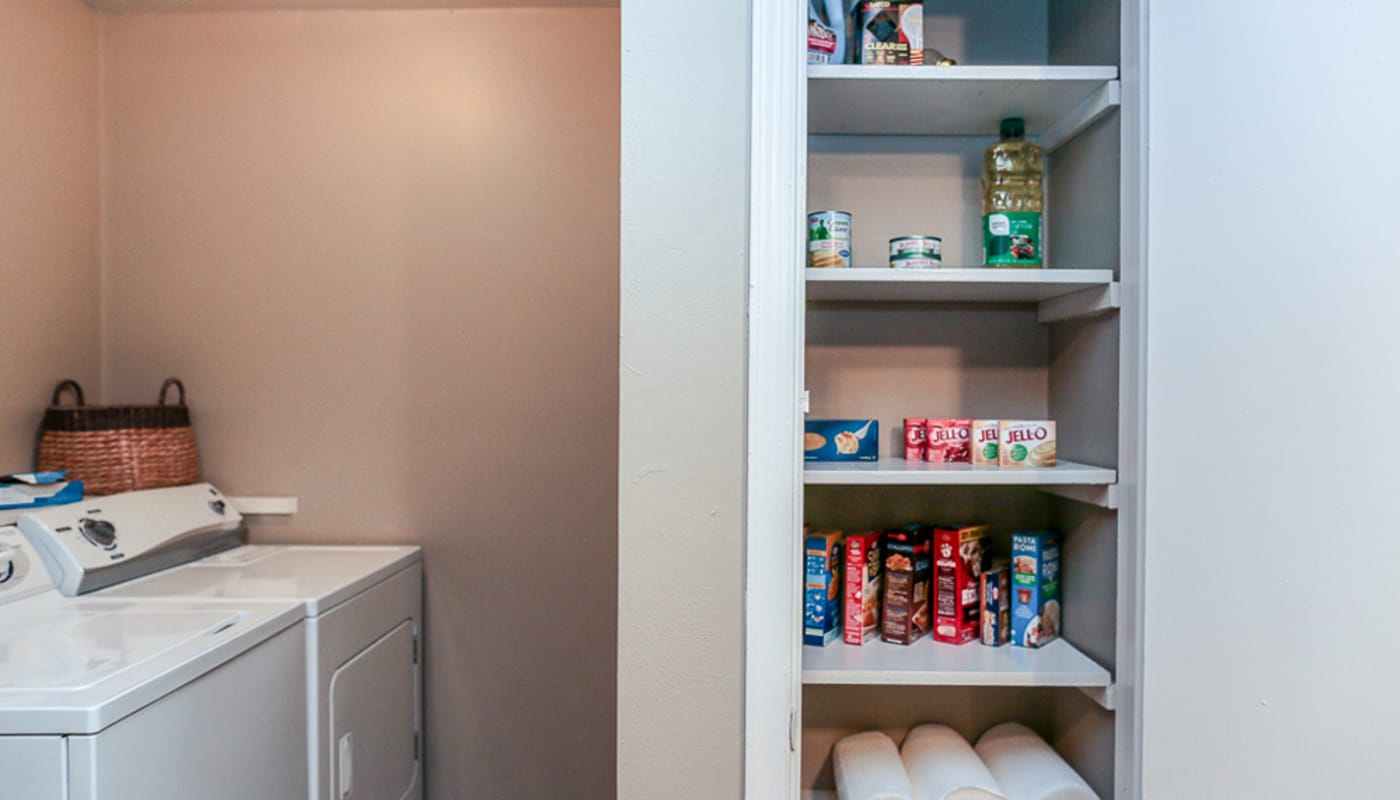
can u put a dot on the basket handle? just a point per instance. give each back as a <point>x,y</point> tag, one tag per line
<point>73,387</point>
<point>165,387</point>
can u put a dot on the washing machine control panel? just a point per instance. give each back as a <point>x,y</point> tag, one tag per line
<point>22,571</point>
<point>106,540</point>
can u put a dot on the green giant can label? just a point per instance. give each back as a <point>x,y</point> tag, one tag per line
<point>829,239</point>
<point>1011,239</point>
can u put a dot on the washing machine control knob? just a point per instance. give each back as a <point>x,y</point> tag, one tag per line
<point>100,532</point>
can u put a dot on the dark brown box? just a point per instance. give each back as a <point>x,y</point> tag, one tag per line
<point>905,614</point>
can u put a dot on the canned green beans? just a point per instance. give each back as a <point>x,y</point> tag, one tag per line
<point>829,239</point>
<point>916,252</point>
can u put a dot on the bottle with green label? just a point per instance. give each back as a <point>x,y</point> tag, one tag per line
<point>1012,199</point>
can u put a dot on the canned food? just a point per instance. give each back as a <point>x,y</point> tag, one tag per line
<point>916,252</point>
<point>829,239</point>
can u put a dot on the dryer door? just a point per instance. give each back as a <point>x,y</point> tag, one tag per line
<point>374,736</point>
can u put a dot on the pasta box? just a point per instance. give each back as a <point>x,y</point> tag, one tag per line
<point>1035,588</point>
<point>841,440</point>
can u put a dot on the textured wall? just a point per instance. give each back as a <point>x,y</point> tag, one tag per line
<point>685,102</point>
<point>1272,332</point>
<point>381,249</point>
<point>48,212</point>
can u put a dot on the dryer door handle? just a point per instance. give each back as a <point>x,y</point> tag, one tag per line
<point>346,762</point>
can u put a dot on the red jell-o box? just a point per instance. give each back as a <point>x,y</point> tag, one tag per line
<point>861,621</point>
<point>915,439</point>
<point>959,555</point>
<point>949,441</point>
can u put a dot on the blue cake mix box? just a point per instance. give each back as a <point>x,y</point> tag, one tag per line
<point>842,440</point>
<point>821,589</point>
<point>1035,588</point>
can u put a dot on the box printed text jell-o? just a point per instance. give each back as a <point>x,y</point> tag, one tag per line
<point>949,441</point>
<point>959,554</point>
<point>985,435</point>
<point>1027,443</point>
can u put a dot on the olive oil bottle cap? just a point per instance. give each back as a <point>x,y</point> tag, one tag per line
<point>1013,128</point>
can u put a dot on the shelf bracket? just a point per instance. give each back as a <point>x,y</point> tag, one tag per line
<point>1094,107</point>
<point>1083,303</point>
<point>265,506</point>
<point>1101,496</point>
<point>1105,696</point>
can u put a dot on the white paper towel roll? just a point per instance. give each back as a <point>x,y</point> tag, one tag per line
<point>868,768</point>
<point>943,766</point>
<point>1028,768</point>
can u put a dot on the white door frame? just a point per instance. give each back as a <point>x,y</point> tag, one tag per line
<point>773,576</point>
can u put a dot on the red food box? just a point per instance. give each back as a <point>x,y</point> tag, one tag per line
<point>949,441</point>
<point>959,554</point>
<point>861,621</point>
<point>915,439</point>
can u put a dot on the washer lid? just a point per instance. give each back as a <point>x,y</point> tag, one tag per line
<point>77,666</point>
<point>320,576</point>
<point>70,649</point>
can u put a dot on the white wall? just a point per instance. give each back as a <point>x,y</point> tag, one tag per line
<point>685,126</point>
<point>1272,381</point>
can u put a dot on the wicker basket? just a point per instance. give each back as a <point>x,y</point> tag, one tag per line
<point>120,448</point>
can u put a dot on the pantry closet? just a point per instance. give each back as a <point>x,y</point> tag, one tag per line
<point>900,149</point>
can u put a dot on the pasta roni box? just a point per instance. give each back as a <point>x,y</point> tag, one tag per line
<point>842,440</point>
<point>863,575</point>
<point>905,615</point>
<point>959,553</point>
<point>1035,588</point>
<point>821,593</point>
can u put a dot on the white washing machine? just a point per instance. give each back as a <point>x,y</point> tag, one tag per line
<point>363,612</point>
<point>139,700</point>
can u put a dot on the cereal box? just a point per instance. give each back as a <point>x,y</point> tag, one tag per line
<point>959,553</point>
<point>891,32</point>
<point>986,433</point>
<point>841,440</point>
<point>1035,588</point>
<point>949,441</point>
<point>995,613</point>
<point>861,621</point>
<point>904,616</point>
<point>1027,443</point>
<point>821,600</point>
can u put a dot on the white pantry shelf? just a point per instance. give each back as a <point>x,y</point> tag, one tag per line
<point>1058,294</point>
<point>1057,102</point>
<point>930,663</point>
<point>898,472</point>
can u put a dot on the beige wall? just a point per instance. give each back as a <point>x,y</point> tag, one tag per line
<point>381,249</point>
<point>48,212</point>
